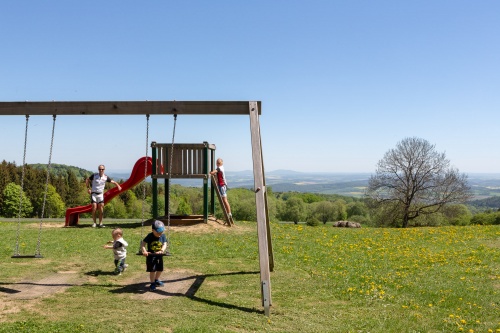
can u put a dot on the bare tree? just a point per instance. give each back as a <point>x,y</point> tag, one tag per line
<point>413,179</point>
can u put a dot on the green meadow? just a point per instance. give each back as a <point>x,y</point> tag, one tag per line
<point>325,279</point>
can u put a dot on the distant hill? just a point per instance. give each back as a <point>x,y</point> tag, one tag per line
<point>62,169</point>
<point>492,203</point>
<point>484,186</point>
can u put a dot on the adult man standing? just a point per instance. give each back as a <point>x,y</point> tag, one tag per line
<point>98,181</point>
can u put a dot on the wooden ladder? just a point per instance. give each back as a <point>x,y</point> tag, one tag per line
<point>229,219</point>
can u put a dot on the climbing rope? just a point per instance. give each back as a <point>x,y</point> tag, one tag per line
<point>37,253</point>
<point>16,250</point>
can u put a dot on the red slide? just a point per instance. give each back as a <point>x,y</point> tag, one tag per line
<point>137,175</point>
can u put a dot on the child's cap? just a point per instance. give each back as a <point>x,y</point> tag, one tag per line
<point>158,226</point>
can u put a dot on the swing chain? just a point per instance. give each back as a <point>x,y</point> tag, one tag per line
<point>37,253</point>
<point>16,250</point>
<point>169,177</point>
<point>145,175</point>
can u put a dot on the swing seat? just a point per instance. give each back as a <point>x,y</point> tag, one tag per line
<point>165,254</point>
<point>27,256</point>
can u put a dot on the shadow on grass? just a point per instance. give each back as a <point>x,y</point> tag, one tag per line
<point>141,288</point>
<point>30,284</point>
<point>110,226</point>
<point>9,291</point>
<point>99,272</point>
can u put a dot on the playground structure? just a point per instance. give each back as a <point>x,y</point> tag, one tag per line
<point>189,161</point>
<point>251,108</point>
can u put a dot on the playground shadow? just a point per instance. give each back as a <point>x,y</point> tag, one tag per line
<point>100,272</point>
<point>111,226</point>
<point>142,288</point>
<point>8,290</point>
<point>33,289</point>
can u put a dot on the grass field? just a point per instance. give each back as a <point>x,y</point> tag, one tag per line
<point>325,280</point>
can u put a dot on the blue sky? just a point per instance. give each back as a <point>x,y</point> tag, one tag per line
<point>341,82</point>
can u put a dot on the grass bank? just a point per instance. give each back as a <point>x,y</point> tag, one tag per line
<point>325,280</point>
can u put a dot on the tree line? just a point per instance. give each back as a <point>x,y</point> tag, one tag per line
<point>67,189</point>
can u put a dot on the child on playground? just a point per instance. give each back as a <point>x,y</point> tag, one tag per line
<point>222,183</point>
<point>119,247</point>
<point>153,247</point>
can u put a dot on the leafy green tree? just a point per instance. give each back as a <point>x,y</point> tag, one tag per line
<point>115,209</point>
<point>60,184</point>
<point>457,214</point>
<point>73,195</point>
<point>127,197</point>
<point>243,204</point>
<point>161,206</point>
<point>429,220</point>
<point>294,210</point>
<point>272,204</point>
<point>34,186</point>
<point>8,175</point>
<point>487,218</point>
<point>183,208</point>
<point>136,210</point>
<point>310,197</point>
<point>139,190</point>
<point>10,206</point>
<point>312,221</point>
<point>325,211</point>
<point>356,208</point>
<point>360,219</point>
<point>340,208</point>
<point>54,205</point>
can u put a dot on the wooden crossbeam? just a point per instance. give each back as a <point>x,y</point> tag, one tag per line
<point>126,108</point>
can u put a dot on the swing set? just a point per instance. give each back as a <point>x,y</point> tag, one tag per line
<point>189,161</point>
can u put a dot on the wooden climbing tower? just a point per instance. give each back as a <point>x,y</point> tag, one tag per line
<point>189,161</point>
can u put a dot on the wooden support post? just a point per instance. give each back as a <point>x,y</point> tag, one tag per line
<point>263,228</point>
<point>212,187</point>
<point>205,182</point>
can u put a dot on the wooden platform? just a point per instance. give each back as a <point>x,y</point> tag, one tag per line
<point>178,220</point>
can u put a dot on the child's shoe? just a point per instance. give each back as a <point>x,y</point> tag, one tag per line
<point>159,283</point>
<point>152,287</point>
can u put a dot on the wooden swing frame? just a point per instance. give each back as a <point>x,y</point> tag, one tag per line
<point>251,108</point>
